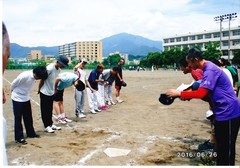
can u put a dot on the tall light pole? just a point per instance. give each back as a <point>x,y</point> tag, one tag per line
<point>220,19</point>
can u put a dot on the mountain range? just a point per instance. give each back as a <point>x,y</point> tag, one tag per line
<point>123,43</point>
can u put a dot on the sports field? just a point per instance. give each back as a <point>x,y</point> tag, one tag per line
<point>156,134</point>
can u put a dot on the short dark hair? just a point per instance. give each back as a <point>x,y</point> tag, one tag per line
<point>80,85</point>
<point>225,62</point>
<point>194,53</point>
<point>183,62</point>
<point>216,62</point>
<point>115,68</point>
<point>40,72</point>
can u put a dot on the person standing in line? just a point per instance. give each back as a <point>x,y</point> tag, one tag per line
<point>79,95</point>
<point>21,87</point>
<point>64,80</point>
<point>234,72</point>
<point>46,90</point>
<point>225,104</point>
<point>109,76</point>
<point>101,95</point>
<point>119,80</point>
<point>92,90</point>
<point>5,56</point>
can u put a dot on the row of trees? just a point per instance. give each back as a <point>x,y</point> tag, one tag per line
<point>170,58</point>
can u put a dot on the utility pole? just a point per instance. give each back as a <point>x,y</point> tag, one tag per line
<point>221,18</point>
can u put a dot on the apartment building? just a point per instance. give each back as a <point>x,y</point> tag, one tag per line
<point>35,54</point>
<point>91,50</point>
<point>200,39</point>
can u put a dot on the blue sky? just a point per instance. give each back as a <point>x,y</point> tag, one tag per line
<point>56,22</point>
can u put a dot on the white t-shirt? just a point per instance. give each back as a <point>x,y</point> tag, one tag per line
<point>48,86</point>
<point>21,86</point>
<point>82,74</point>
<point>228,74</point>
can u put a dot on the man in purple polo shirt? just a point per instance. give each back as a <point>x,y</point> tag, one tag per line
<point>225,104</point>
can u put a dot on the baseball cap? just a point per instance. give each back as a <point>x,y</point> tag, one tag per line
<point>166,100</point>
<point>63,60</point>
<point>84,60</point>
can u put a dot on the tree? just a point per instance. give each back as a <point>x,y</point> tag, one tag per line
<point>236,58</point>
<point>111,60</point>
<point>211,51</point>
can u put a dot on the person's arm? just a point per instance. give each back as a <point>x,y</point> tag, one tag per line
<point>56,84</point>
<point>119,77</point>
<point>89,86</point>
<point>198,94</point>
<point>40,85</point>
<point>76,67</point>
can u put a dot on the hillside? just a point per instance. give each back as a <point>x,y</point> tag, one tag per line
<point>131,44</point>
<point>123,42</point>
<point>18,51</point>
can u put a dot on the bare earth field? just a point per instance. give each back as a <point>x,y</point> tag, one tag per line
<point>155,134</point>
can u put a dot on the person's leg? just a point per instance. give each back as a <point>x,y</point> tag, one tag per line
<point>226,135</point>
<point>82,101</point>
<point>78,101</point>
<point>90,101</point>
<point>46,105</point>
<point>235,124</point>
<point>18,113</point>
<point>28,120</point>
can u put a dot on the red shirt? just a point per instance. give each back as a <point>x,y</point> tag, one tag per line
<point>196,74</point>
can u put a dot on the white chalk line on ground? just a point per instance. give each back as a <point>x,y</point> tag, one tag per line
<point>30,97</point>
<point>83,160</point>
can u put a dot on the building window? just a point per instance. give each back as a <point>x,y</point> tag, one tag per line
<point>178,39</point>
<point>191,45</point>
<point>165,40</point>
<point>225,34</point>
<point>225,52</point>
<point>200,45</point>
<point>236,42</point>
<point>208,36</point>
<point>192,37</point>
<point>236,32</point>
<point>185,38</point>
<point>199,37</point>
<point>216,35</point>
<point>172,40</point>
<point>225,43</point>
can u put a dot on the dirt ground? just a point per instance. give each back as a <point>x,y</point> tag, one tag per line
<point>156,134</point>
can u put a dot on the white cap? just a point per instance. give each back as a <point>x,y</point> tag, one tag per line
<point>84,60</point>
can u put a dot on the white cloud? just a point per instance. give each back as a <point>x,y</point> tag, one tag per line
<point>55,22</point>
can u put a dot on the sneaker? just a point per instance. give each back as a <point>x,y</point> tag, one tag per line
<point>103,107</point>
<point>109,103</point>
<point>93,112</point>
<point>49,130</point>
<point>54,127</point>
<point>55,116</point>
<point>113,103</point>
<point>81,115</point>
<point>67,120</point>
<point>119,100</point>
<point>21,141</point>
<point>59,120</point>
<point>97,110</point>
<point>206,146</point>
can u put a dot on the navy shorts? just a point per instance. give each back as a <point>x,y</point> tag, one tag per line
<point>58,96</point>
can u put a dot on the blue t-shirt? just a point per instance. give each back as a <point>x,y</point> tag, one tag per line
<point>225,104</point>
<point>67,80</point>
<point>94,75</point>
